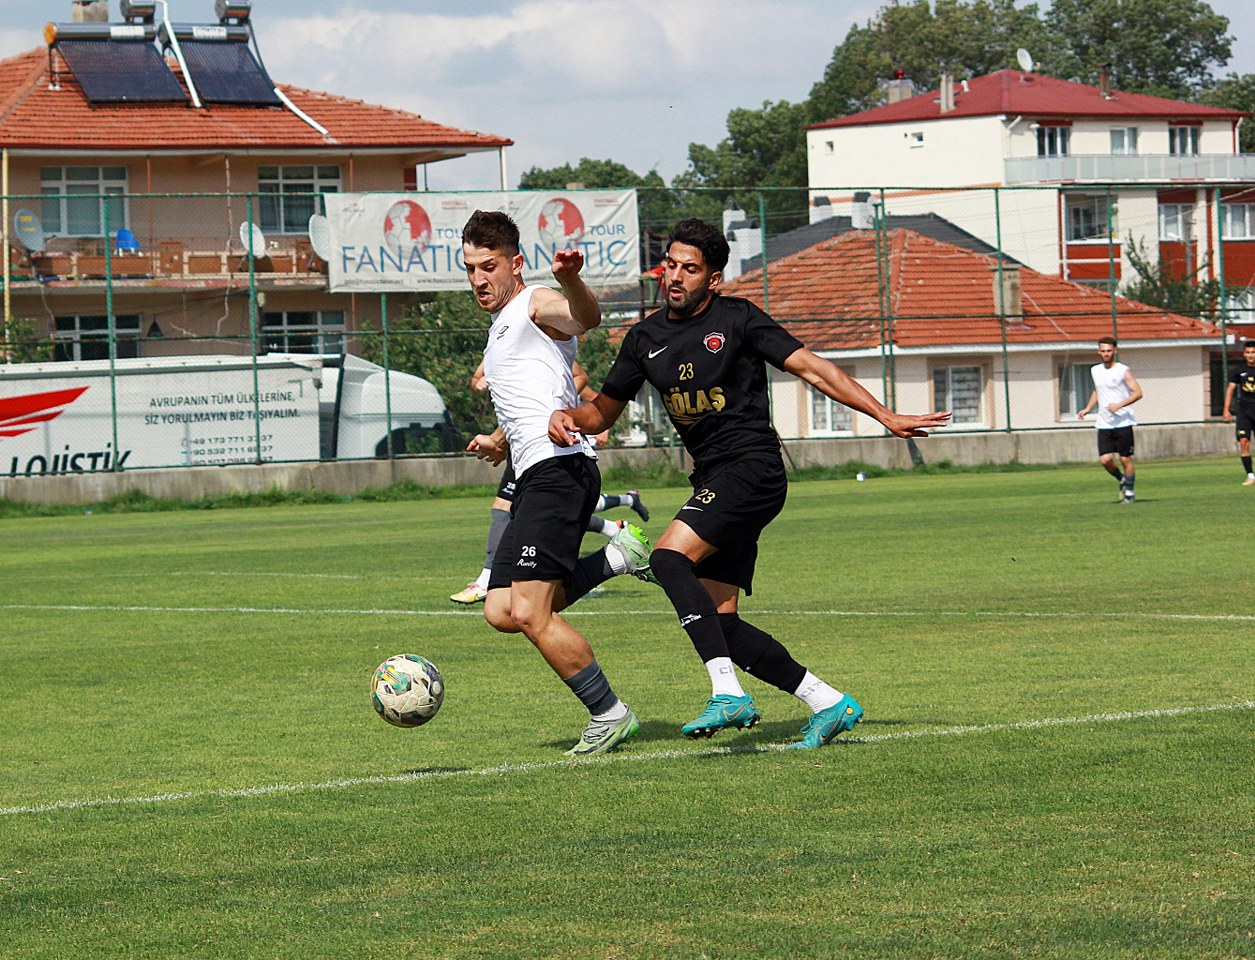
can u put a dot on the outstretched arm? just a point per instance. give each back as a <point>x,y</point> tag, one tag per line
<point>828,379</point>
<point>596,416</point>
<point>573,314</point>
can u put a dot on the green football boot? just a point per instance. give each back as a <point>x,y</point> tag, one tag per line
<point>723,711</point>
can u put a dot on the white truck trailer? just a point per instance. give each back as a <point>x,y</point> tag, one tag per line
<point>59,418</point>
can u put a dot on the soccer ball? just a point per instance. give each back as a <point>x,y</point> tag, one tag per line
<point>407,690</point>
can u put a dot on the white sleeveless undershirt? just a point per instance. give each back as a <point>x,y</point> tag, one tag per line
<point>529,377</point>
<point>1110,386</point>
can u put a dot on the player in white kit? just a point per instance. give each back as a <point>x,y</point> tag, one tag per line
<point>1115,392</point>
<point>537,569</point>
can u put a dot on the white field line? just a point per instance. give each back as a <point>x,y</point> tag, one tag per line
<point>506,769</point>
<point>475,612</point>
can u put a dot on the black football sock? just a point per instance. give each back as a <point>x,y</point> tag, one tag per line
<point>760,654</point>
<point>698,614</point>
<point>1246,464</point>
<point>590,571</point>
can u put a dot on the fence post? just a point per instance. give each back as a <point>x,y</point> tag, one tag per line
<point>387,366</point>
<point>1111,268</point>
<point>1002,308</point>
<point>1224,293</point>
<point>762,230</point>
<point>252,326</point>
<point>112,328</point>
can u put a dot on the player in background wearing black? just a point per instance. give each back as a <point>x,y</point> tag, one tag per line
<point>706,356</point>
<point>1242,385</point>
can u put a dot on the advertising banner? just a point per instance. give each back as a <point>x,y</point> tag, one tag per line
<point>166,417</point>
<point>384,242</point>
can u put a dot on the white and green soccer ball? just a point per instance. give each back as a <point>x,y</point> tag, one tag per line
<point>407,690</point>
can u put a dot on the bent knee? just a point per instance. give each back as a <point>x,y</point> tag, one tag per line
<point>497,613</point>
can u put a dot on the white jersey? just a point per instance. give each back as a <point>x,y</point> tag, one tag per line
<point>529,377</point>
<point>1110,386</point>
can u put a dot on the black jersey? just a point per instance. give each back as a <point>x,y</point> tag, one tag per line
<point>1244,377</point>
<point>709,370</point>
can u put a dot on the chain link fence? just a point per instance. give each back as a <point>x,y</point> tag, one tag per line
<point>987,302</point>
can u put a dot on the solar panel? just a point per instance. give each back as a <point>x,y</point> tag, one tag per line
<point>121,71</point>
<point>228,73</point>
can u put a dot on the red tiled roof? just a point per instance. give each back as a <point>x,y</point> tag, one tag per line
<point>33,116</point>
<point>1014,92</point>
<point>939,295</point>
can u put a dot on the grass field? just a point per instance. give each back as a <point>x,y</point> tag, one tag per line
<point>1056,760</point>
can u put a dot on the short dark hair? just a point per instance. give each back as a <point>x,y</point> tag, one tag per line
<point>700,234</point>
<point>1110,340</point>
<point>1248,344</point>
<point>492,230</point>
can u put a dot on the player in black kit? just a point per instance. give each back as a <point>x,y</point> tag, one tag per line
<point>1242,384</point>
<point>706,355</point>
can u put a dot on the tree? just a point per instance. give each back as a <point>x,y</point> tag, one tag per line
<point>1234,92</point>
<point>1168,48</point>
<point>1156,285</point>
<point>765,148</point>
<point>441,341</point>
<point>923,41</point>
<point>21,344</point>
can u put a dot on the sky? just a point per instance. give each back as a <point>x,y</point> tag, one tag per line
<point>635,81</point>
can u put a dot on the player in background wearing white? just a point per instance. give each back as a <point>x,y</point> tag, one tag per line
<point>1242,388</point>
<point>1115,392</point>
<point>537,570</point>
<point>477,589</point>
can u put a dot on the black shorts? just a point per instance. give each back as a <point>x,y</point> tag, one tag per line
<point>730,507</point>
<point>505,489</point>
<point>1119,440</point>
<point>552,503</point>
<point>1244,424</point>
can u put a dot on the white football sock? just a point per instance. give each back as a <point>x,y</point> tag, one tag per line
<point>617,712</point>
<point>607,528</point>
<point>816,694</point>
<point>723,677</point>
<point>482,579</point>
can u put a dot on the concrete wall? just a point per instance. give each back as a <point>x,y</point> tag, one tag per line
<point>350,478</point>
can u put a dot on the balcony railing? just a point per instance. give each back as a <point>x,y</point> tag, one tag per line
<point>173,261</point>
<point>1104,169</point>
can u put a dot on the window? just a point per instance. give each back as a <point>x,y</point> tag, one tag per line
<point>1183,141</point>
<point>828,416</point>
<point>1241,305</point>
<point>959,389</point>
<point>1176,221</point>
<point>87,338</point>
<point>1237,221</point>
<point>1124,141</point>
<point>1053,141</point>
<point>1087,218</point>
<point>75,198</point>
<point>829,148</point>
<point>915,139</point>
<point>1075,387</point>
<point>289,196</point>
<point>303,331</point>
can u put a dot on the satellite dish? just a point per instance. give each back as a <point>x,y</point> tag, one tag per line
<point>253,239</point>
<point>320,236</point>
<point>1024,59</point>
<point>29,230</point>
